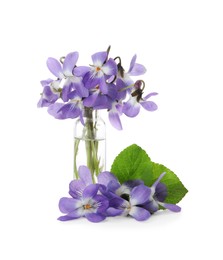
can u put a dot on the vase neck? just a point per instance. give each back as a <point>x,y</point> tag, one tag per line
<point>90,113</point>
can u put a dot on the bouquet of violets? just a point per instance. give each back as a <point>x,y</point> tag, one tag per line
<point>133,187</point>
<point>103,85</point>
<point>77,91</point>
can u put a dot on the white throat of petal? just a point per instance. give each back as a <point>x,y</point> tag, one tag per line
<point>122,190</point>
<point>97,72</point>
<point>55,85</point>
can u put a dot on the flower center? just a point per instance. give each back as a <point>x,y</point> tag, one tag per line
<point>125,196</point>
<point>87,206</point>
<point>98,69</point>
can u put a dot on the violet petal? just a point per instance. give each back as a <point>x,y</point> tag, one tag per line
<point>67,205</point>
<point>80,71</point>
<point>70,110</point>
<point>140,194</point>
<point>69,63</point>
<point>90,191</point>
<point>76,188</point>
<point>110,67</point>
<point>72,215</point>
<point>132,63</point>
<point>139,213</point>
<point>99,58</point>
<point>115,119</point>
<point>53,111</point>
<point>149,105</point>
<point>133,183</point>
<point>46,82</point>
<point>171,207</point>
<point>160,192</point>
<point>101,203</point>
<point>131,108</point>
<point>137,70</point>
<point>95,217</point>
<point>158,180</point>
<point>81,90</point>
<point>85,175</point>
<point>55,67</point>
<point>113,212</point>
<point>150,95</point>
<point>105,177</point>
<point>90,100</point>
<point>113,186</point>
<point>152,206</point>
<point>90,81</point>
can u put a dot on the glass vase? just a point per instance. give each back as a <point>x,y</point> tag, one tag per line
<point>90,143</point>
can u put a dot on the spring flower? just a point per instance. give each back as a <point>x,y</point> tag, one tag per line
<point>114,115</point>
<point>110,198</point>
<point>158,196</point>
<point>132,107</point>
<point>126,199</point>
<point>103,85</point>
<point>50,94</point>
<point>77,187</point>
<point>66,72</point>
<point>102,69</point>
<point>89,204</point>
<point>71,109</point>
<point>135,69</point>
<point>131,204</point>
<point>85,201</point>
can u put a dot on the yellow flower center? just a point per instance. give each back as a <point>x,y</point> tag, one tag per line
<point>87,206</point>
<point>98,69</point>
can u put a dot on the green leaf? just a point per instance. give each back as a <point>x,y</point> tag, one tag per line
<point>134,163</point>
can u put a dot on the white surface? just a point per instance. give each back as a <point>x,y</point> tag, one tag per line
<point>180,43</point>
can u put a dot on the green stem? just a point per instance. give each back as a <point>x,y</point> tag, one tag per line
<point>76,145</point>
<point>91,145</point>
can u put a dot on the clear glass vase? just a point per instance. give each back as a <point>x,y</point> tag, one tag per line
<point>90,143</point>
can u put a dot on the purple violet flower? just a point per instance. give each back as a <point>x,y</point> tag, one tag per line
<point>102,69</point>
<point>132,107</point>
<point>72,109</point>
<point>135,69</point>
<point>109,198</point>
<point>158,196</point>
<point>66,73</point>
<point>89,205</point>
<point>85,201</point>
<point>125,199</point>
<point>113,188</point>
<point>77,187</point>
<point>50,94</point>
<point>132,204</point>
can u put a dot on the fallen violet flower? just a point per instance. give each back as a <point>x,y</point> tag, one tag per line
<point>109,198</point>
<point>89,205</point>
<point>85,201</point>
<point>132,205</point>
<point>158,196</point>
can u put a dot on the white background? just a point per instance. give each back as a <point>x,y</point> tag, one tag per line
<point>181,44</point>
